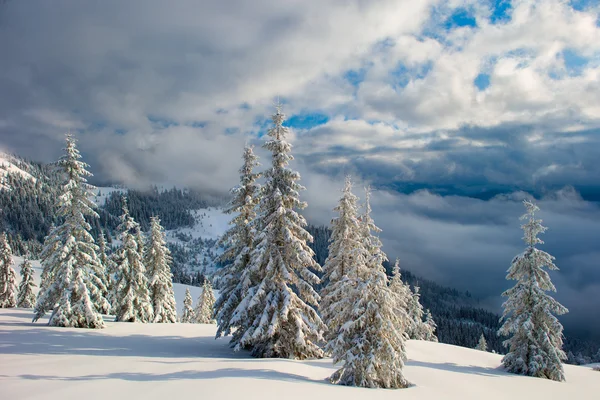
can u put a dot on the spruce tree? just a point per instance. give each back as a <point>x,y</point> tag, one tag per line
<point>26,297</point>
<point>402,290</point>
<point>536,338</point>
<point>108,272</point>
<point>429,327</point>
<point>278,312</point>
<point>234,279</point>
<point>7,275</point>
<point>482,344</point>
<point>370,345</point>
<point>204,309</point>
<point>158,263</point>
<point>346,256</point>
<point>416,313</point>
<point>188,310</point>
<point>132,295</point>
<point>104,274</point>
<point>51,244</point>
<point>72,288</point>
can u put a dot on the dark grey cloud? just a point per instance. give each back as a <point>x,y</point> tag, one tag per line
<point>478,162</point>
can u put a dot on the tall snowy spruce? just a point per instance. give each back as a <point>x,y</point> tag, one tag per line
<point>346,257</point>
<point>7,275</point>
<point>26,297</point>
<point>158,263</point>
<point>132,296</point>
<point>278,312</point>
<point>234,279</point>
<point>51,244</point>
<point>72,287</point>
<point>204,309</point>
<point>370,344</point>
<point>536,339</point>
<point>188,310</point>
<point>108,272</point>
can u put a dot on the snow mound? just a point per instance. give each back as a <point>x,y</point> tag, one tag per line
<point>7,165</point>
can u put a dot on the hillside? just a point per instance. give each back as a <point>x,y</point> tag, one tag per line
<point>158,361</point>
<point>11,165</point>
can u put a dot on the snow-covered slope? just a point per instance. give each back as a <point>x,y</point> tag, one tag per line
<point>8,165</point>
<point>211,223</point>
<point>200,241</point>
<point>160,361</point>
<point>101,194</point>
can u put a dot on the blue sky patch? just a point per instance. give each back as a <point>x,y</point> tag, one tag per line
<point>582,5</point>
<point>355,77</point>
<point>262,125</point>
<point>459,18</point>
<point>482,81</point>
<point>306,121</point>
<point>402,75</point>
<point>574,62</point>
<point>501,11</point>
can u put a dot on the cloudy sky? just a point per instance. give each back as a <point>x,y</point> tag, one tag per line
<point>454,110</point>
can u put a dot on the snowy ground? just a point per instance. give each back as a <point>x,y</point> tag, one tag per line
<point>160,361</point>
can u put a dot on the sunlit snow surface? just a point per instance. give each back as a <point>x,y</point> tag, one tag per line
<point>180,361</point>
<point>211,223</point>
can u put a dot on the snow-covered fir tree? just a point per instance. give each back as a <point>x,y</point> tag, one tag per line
<point>402,290</point>
<point>416,313</point>
<point>278,312</point>
<point>158,263</point>
<point>482,344</point>
<point>204,308</point>
<point>72,287</point>
<point>233,280</point>
<point>104,274</point>
<point>429,326</point>
<point>188,310</point>
<point>370,345</point>
<point>346,256</point>
<point>131,286</point>
<point>26,297</point>
<point>535,334</point>
<point>51,244</point>
<point>8,289</point>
